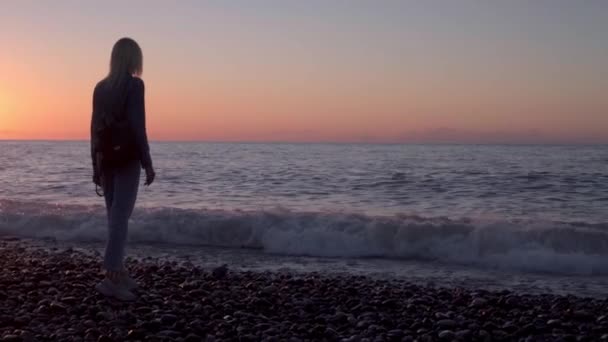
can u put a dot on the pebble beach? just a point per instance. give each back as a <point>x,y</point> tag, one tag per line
<point>47,295</point>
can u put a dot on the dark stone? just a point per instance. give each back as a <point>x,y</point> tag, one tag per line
<point>168,319</point>
<point>152,325</point>
<point>389,303</point>
<point>446,323</point>
<point>192,338</point>
<point>582,315</point>
<point>525,330</point>
<point>58,307</point>
<point>395,333</point>
<point>11,338</point>
<point>554,322</point>
<point>220,272</point>
<point>499,334</point>
<point>447,335</point>
<point>169,333</point>
<point>136,334</point>
<point>478,302</point>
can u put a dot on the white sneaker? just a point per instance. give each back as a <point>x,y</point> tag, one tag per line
<point>110,289</point>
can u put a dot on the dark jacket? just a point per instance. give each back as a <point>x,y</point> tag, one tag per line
<point>128,101</point>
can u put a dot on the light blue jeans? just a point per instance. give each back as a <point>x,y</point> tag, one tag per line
<point>120,192</point>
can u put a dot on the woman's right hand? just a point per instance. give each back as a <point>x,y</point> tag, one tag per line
<point>150,175</point>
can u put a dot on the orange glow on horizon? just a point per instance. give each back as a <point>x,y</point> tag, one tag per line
<point>345,73</point>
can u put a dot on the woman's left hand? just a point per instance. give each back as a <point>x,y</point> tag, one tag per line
<point>96,179</point>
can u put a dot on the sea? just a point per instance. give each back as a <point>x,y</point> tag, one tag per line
<point>526,218</point>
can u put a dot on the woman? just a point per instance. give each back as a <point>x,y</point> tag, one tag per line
<point>119,146</point>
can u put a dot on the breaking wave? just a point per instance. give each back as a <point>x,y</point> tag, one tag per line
<point>536,246</point>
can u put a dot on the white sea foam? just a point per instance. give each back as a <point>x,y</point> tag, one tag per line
<point>553,247</point>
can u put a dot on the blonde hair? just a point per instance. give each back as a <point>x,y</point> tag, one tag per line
<point>126,59</point>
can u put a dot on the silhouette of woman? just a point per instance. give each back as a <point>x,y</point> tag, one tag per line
<point>119,147</point>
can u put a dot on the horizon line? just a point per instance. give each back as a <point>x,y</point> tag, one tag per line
<point>353,142</point>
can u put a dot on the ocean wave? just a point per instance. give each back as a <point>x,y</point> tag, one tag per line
<point>536,246</point>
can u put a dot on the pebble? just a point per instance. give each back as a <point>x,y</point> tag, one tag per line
<point>463,334</point>
<point>56,306</point>
<point>220,272</point>
<point>554,322</point>
<point>185,303</point>
<point>395,333</point>
<point>168,319</point>
<point>136,334</point>
<point>192,338</point>
<point>446,323</point>
<point>447,335</point>
<point>477,302</point>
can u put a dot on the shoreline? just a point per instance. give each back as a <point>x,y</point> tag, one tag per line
<point>418,272</point>
<point>48,295</point>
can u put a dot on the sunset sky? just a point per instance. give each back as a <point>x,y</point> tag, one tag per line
<point>342,70</point>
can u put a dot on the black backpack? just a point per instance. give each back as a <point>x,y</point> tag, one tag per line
<point>116,143</point>
<point>115,137</point>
